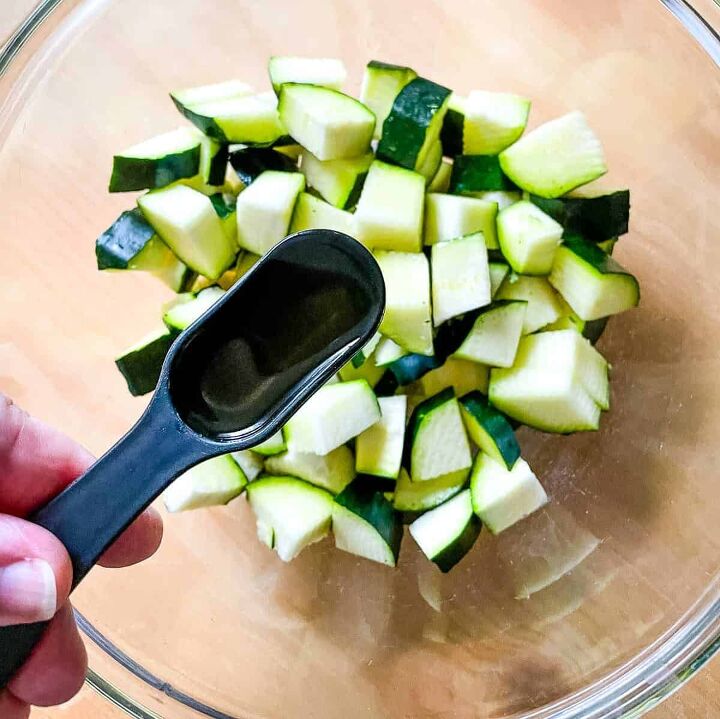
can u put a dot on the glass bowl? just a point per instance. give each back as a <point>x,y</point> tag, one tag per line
<point>598,606</point>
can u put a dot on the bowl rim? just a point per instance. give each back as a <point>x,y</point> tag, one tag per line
<point>632,689</point>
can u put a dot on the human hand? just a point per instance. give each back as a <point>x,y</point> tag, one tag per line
<point>36,463</point>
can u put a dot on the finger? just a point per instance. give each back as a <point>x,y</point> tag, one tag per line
<point>12,708</point>
<point>36,461</point>
<point>140,541</point>
<point>56,669</point>
<point>35,572</point>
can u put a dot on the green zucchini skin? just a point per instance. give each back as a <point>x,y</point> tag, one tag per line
<point>218,166</point>
<point>139,173</point>
<point>593,255</point>
<point>494,423</point>
<point>464,542</point>
<point>366,500</point>
<point>479,173</point>
<point>123,240</point>
<point>141,366</point>
<point>221,205</point>
<point>205,124</point>
<point>405,128</point>
<point>595,218</point>
<point>250,162</point>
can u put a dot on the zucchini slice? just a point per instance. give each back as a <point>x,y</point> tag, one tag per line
<point>335,414</point>
<point>189,225</point>
<point>432,162</point>
<point>209,484</point>
<point>494,338</point>
<point>321,71</point>
<point>407,305</point>
<point>250,463</point>
<point>390,209</point>
<point>272,445</point>
<point>498,272</point>
<point>528,238</point>
<point>555,158</point>
<point>451,135</point>
<point>598,217</point>
<point>380,86</point>
<point>313,213</point>
<point>330,125</point>
<point>365,524</point>
<point>333,471</point>
<point>493,121</point>
<point>460,277</point>
<point>379,449</point>
<point>451,216</point>
<point>157,162</point>
<point>489,429</point>
<point>209,93</point>
<point>441,181</point>
<point>420,496</point>
<point>413,124</point>
<point>367,371</point>
<point>459,374</point>
<point>591,282</point>
<point>502,497</point>
<point>478,173</point>
<point>339,182</point>
<point>226,208</point>
<point>291,514</point>
<point>436,443</point>
<point>250,162</point>
<point>265,208</point>
<point>558,384</point>
<point>388,351</point>
<point>141,364</point>
<point>181,315</point>
<point>448,532</point>
<point>213,160</point>
<point>543,304</point>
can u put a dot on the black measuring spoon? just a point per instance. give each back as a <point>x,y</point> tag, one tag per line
<point>230,381</point>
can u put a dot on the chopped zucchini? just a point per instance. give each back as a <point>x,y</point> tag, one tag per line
<point>141,364</point>
<point>528,238</point>
<point>365,524</point>
<point>156,162</point>
<point>591,282</point>
<point>498,272</point>
<point>250,162</point>
<point>379,449</point>
<point>451,135</point>
<point>451,216</point>
<point>213,160</point>
<point>363,355</point>
<point>413,124</point>
<point>390,209</point>
<point>210,93</point>
<point>335,414</point>
<point>494,338</point>
<point>493,121</point>
<point>448,532</point>
<point>441,181</point>
<point>272,445</point>
<point>460,277</point>
<point>249,462</point>
<point>478,173</point>
<point>432,162</point>
<point>265,208</point>
<point>211,483</point>
<point>420,496</point>
<point>502,497</point>
<point>489,429</point>
<point>500,197</point>
<point>380,86</point>
<point>182,314</point>
<point>339,182</point>
<point>330,125</point>
<point>333,471</point>
<point>598,217</point>
<point>321,71</point>
<point>543,304</point>
<point>188,224</point>
<point>436,443</point>
<point>459,374</point>
<point>407,305</point>
<point>313,213</point>
<point>555,158</point>
<point>291,514</point>
<point>226,208</point>
<point>368,371</point>
<point>388,351</point>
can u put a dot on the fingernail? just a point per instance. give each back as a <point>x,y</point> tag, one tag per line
<point>27,591</point>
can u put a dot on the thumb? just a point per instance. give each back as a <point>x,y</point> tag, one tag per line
<point>35,572</point>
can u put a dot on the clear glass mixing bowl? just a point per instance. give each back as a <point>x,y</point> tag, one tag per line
<point>215,625</point>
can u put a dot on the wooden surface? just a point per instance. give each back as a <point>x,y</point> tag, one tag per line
<point>700,699</point>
